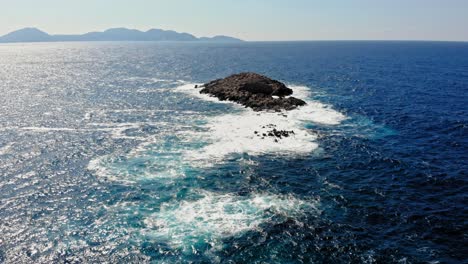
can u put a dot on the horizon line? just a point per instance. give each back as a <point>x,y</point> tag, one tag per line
<point>224,34</point>
<point>244,41</point>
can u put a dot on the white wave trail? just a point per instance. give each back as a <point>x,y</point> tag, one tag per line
<point>216,216</point>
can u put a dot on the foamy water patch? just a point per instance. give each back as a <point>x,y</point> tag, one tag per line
<point>214,217</point>
<point>314,111</point>
<point>158,157</point>
<point>247,131</point>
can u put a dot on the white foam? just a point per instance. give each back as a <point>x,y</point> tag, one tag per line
<point>217,216</point>
<point>314,111</point>
<point>235,133</point>
<point>152,159</point>
<point>131,169</point>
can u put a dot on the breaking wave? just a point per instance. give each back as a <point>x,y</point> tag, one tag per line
<point>209,139</point>
<point>214,217</point>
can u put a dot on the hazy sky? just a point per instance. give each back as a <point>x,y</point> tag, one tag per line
<point>249,19</point>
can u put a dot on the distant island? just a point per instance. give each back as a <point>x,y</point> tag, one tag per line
<point>113,34</point>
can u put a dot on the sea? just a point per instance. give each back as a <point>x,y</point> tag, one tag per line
<point>108,154</point>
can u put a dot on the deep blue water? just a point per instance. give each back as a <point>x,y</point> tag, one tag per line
<point>108,155</point>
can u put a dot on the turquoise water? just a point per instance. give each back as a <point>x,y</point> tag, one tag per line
<point>108,154</point>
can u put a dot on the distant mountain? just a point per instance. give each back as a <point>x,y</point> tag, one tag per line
<point>221,39</point>
<point>113,34</point>
<point>26,35</point>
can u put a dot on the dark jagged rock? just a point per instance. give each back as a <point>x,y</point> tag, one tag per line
<point>253,90</point>
<point>278,133</point>
<point>275,133</point>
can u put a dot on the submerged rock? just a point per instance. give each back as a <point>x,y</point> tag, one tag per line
<point>253,90</point>
<point>277,134</point>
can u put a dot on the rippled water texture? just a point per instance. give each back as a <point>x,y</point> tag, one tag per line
<point>108,154</point>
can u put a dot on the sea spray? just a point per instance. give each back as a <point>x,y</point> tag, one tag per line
<point>214,217</point>
<point>202,220</point>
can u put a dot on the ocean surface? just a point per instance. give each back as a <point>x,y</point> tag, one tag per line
<point>109,155</point>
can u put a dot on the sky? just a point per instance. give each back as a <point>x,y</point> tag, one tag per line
<point>256,20</point>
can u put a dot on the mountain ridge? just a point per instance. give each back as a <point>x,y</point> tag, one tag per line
<point>31,34</point>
